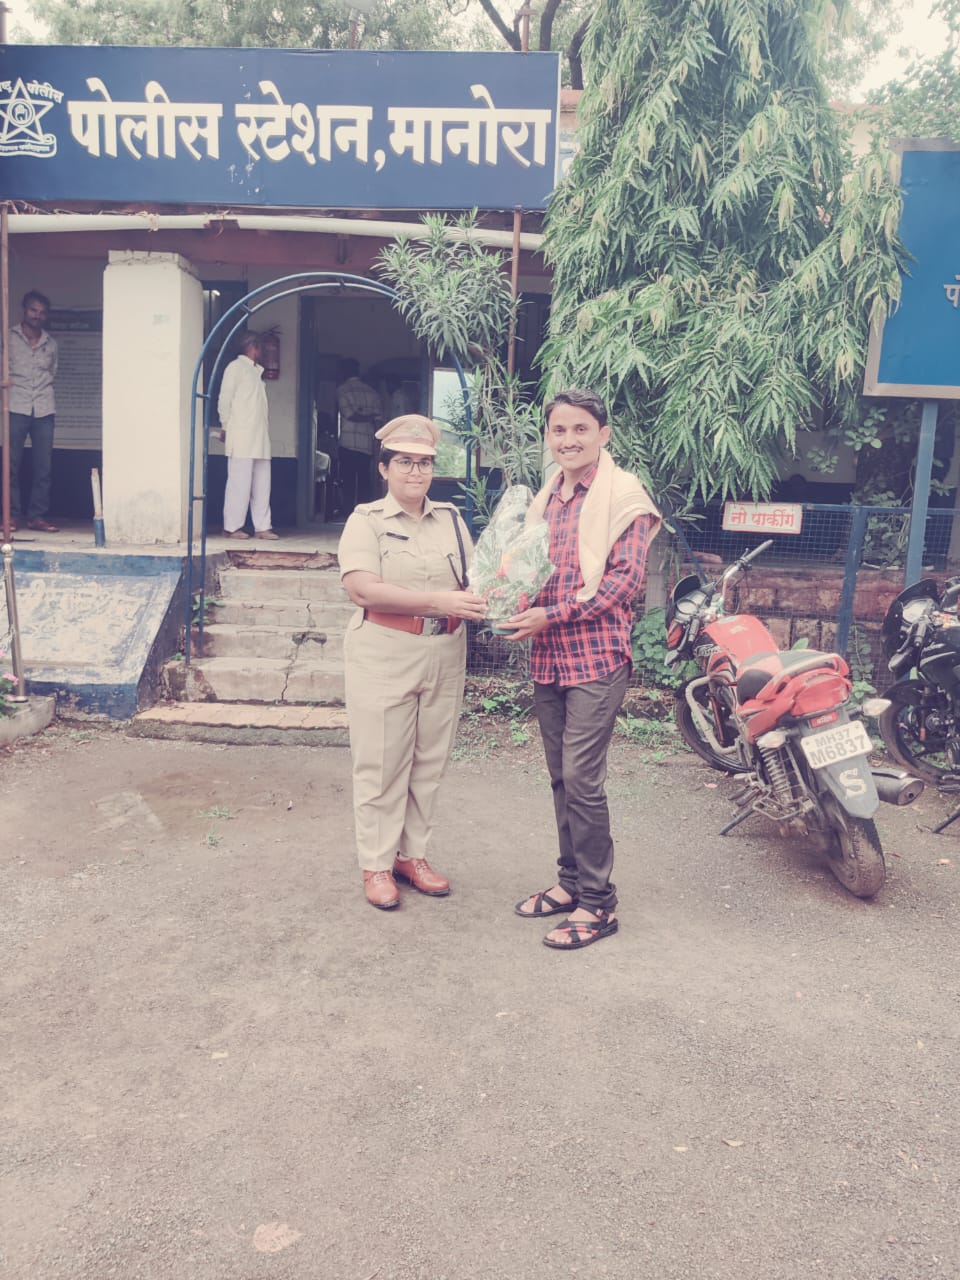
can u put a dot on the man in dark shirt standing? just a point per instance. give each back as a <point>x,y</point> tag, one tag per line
<point>601,524</point>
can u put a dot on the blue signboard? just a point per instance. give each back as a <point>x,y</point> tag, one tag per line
<point>278,127</point>
<point>917,354</point>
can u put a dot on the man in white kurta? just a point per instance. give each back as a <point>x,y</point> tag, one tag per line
<point>244,427</point>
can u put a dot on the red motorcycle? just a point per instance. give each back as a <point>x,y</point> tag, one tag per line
<point>780,719</point>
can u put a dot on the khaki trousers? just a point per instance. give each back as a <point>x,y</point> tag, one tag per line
<point>403,696</point>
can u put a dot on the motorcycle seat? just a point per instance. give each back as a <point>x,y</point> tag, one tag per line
<point>758,670</point>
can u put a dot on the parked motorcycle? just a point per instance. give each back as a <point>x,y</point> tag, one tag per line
<point>780,719</point>
<point>921,726</point>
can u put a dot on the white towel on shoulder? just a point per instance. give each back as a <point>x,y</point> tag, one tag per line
<point>614,500</point>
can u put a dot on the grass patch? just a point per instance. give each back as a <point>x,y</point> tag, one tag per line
<point>657,739</point>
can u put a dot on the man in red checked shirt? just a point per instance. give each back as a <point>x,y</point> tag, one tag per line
<point>601,524</point>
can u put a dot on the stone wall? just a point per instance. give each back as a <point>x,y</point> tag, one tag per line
<point>798,604</point>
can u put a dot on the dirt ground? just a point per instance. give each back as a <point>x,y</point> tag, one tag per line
<point>221,1064</point>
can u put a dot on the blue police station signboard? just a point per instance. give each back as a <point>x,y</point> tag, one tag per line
<point>917,354</point>
<point>278,127</point>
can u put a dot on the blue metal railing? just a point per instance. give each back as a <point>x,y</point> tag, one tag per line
<point>839,534</point>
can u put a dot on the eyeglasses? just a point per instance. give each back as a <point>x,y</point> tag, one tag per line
<point>406,465</point>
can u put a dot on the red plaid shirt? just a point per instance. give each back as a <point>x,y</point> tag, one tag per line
<point>586,641</point>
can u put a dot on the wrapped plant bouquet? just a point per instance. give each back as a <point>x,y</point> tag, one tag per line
<point>511,560</point>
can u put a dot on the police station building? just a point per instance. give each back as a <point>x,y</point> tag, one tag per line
<point>154,188</point>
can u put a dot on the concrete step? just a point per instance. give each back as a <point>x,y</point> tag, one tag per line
<point>223,640</point>
<point>244,723</point>
<point>320,585</point>
<point>228,640</point>
<point>240,678</point>
<point>297,615</point>
<point>273,637</point>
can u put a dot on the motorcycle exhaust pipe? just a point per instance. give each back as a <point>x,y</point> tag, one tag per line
<point>896,787</point>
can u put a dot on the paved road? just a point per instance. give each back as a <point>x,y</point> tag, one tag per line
<point>222,1065</point>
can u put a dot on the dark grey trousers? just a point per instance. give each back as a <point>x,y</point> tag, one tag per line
<point>40,431</point>
<point>576,723</point>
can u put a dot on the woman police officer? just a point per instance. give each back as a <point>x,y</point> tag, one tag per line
<point>403,561</point>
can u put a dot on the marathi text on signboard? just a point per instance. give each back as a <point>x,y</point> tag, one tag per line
<point>762,517</point>
<point>278,127</point>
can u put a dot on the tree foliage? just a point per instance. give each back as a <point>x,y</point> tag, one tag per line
<point>291,24</point>
<point>553,24</point>
<point>456,297</point>
<point>716,259</point>
<point>391,24</point>
<point>451,290</point>
<point>862,31</point>
<point>925,101</point>
<point>322,24</point>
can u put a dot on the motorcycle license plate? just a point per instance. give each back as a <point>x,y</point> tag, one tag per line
<point>840,743</point>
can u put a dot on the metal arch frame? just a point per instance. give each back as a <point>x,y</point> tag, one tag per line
<point>223,331</point>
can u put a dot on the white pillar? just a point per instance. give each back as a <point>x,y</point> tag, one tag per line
<point>152,335</point>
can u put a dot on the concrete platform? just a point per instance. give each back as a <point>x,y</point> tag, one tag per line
<point>76,535</point>
<point>244,723</point>
<point>94,629</point>
<point>26,719</point>
<point>97,622</point>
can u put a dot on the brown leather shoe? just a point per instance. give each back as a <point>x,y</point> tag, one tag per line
<point>419,873</point>
<point>380,889</point>
<point>43,526</point>
<point>235,533</point>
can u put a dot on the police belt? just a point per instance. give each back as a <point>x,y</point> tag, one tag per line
<point>412,623</point>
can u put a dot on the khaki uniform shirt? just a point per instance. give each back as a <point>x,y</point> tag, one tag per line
<point>423,555</point>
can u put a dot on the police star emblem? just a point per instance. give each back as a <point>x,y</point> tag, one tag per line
<point>21,111</point>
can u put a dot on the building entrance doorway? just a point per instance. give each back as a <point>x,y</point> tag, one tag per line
<point>361,366</point>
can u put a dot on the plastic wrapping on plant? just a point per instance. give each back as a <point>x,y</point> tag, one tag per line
<point>511,561</point>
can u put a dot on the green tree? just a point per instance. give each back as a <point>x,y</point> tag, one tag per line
<point>716,259</point>
<point>925,101</point>
<point>292,24</point>
<point>456,298</point>
<point>862,31</point>
<point>553,24</point>
<point>323,24</point>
